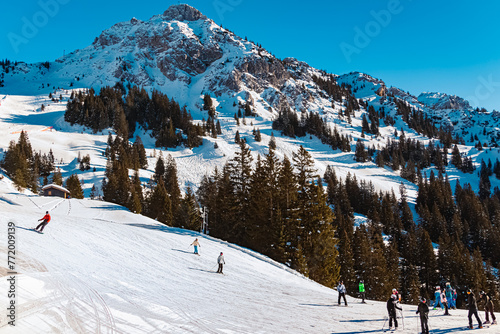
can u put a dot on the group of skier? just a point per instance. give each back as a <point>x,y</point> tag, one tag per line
<point>220,258</point>
<point>446,298</point>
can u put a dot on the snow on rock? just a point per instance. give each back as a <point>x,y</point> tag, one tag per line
<point>444,101</point>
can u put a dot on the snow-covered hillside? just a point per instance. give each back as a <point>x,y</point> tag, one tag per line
<point>185,55</point>
<point>101,269</point>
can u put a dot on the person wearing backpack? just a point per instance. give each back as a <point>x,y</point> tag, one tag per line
<point>423,310</point>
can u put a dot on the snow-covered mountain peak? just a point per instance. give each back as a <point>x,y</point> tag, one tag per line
<point>183,12</point>
<point>443,101</point>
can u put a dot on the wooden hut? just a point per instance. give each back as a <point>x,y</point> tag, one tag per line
<point>55,190</point>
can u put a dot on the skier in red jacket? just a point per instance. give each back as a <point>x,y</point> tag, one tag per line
<point>45,221</point>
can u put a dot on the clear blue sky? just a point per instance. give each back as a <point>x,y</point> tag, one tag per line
<point>446,46</point>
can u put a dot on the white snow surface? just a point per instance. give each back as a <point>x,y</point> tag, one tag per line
<point>99,268</point>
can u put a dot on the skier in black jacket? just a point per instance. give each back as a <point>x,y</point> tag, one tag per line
<point>488,308</point>
<point>423,310</point>
<point>391,308</point>
<point>472,307</point>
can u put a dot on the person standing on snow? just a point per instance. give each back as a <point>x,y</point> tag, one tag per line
<point>391,308</point>
<point>221,262</point>
<point>472,307</point>
<point>341,290</point>
<point>423,310</point>
<point>454,306</point>
<point>196,244</point>
<point>444,302</point>
<point>437,298</point>
<point>488,308</point>
<point>449,295</point>
<point>45,221</point>
<point>362,290</point>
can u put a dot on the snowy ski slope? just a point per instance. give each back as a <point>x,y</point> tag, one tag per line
<point>101,269</point>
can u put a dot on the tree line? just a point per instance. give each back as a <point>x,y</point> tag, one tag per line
<point>160,198</point>
<point>26,168</point>
<point>123,108</point>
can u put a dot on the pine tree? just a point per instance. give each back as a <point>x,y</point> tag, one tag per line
<point>134,203</point>
<point>237,138</point>
<point>345,253</point>
<point>360,155</point>
<point>378,276</point>
<point>159,169</point>
<point>393,266</point>
<point>272,143</point>
<point>120,122</point>
<point>410,285</point>
<point>172,186</point>
<point>426,261</point>
<point>240,176</point>
<point>57,177</point>
<point>139,147</point>
<point>484,182</point>
<point>287,191</point>
<point>159,206</point>
<point>74,186</point>
<point>361,255</point>
<point>456,158</point>
<point>320,243</point>
<point>93,192</point>
<point>265,227</point>
<point>189,213</point>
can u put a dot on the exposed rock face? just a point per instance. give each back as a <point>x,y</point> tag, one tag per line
<point>444,101</point>
<point>184,46</point>
<point>382,91</point>
<point>183,12</point>
<point>265,70</point>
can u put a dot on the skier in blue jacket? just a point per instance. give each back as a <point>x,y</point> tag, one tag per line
<point>437,296</point>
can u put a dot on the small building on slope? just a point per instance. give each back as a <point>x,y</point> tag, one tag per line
<point>55,190</point>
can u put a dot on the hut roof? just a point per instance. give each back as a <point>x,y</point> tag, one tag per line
<point>55,186</point>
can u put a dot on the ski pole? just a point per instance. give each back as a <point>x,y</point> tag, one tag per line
<point>384,323</point>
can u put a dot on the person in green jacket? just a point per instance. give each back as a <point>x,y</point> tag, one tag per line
<point>362,290</point>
